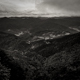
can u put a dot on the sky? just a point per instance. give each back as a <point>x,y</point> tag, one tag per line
<point>40,7</point>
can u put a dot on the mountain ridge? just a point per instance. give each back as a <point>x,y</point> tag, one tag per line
<point>56,59</point>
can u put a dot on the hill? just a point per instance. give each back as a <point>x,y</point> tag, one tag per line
<point>50,47</point>
<point>52,59</point>
<point>25,27</point>
<point>11,42</point>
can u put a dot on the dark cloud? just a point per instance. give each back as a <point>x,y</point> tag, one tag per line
<point>60,6</point>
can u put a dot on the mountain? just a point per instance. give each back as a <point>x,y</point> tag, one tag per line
<point>49,47</point>
<point>52,59</point>
<point>11,42</point>
<point>38,26</point>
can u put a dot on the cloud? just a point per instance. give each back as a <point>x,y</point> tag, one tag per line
<point>51,7</point>
<point>16,5</point>
<point>60,6</point>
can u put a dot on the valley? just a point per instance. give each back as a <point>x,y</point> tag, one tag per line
<point>40,48</point>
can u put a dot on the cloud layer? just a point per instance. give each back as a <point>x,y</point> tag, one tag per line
<point>60,6</point>
<point>50,7</point>
<point>16,5</point>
